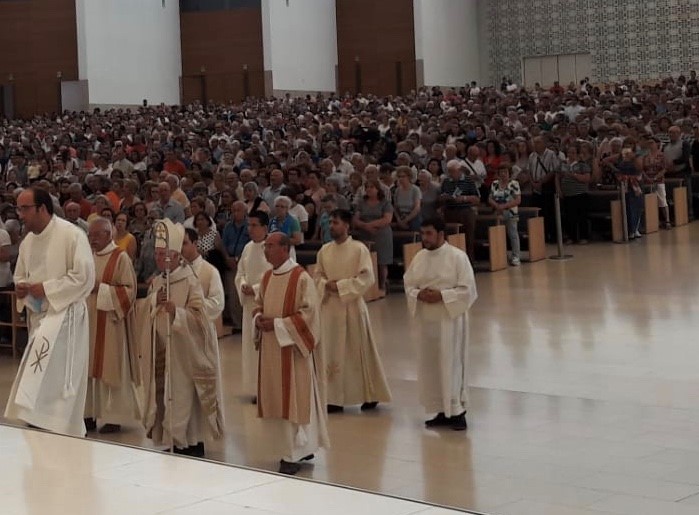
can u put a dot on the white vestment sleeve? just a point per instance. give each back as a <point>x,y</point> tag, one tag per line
<point>78,282</point>
<point>240,273</point>
<point>410,285</point>
<point>319,277</point>
<point>215,298</point>
<point>104,298</point>
<point>282,334</point>
<point>355,287</point>
<point>460,298</point>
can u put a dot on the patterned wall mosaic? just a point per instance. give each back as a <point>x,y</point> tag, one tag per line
<point>637,39</point>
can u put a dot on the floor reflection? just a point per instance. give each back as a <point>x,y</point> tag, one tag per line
<point>580,370</point>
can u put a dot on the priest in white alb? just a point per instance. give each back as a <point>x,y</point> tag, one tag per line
<point>214,299</point>
<point>343,274</point>
<point>290,398</point>
<point>54,275</point>
<point>179,359</point>
<point>441,289</point>
<point>251,267</point>
<point>113,371</point>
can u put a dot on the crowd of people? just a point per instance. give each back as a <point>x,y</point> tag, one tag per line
<point>218,198</point>
<point>391,161</point>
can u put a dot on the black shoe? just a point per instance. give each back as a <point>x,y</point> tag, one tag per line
<point>458,422</point>
<point>90,424</point>
<point>369,406</point>
<point>332,408</point>
<point>439,421</point>
<point>308,458</point>
<point>182,451</point>
<point>289,468</point>
<point>197,450</point>
<point>110,428</point>
<point>254,400</point>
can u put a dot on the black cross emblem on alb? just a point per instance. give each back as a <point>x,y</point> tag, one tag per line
<point>40,354</point>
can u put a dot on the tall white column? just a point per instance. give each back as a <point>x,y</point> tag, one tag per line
<point>447,42</point>
<point>129,50</point>
<point>300,44</point>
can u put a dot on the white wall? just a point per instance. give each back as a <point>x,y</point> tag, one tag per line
<point>300,44</point>
<point>129,50</point>
<point>447,40</point>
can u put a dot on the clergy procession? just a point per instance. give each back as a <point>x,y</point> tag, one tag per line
<point>98,358</point>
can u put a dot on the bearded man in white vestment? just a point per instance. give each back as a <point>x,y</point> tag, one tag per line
<point>441,288</point>
<point>180,383</point>
<point>344,272</point>
<point>113,371</point>
<point>55,273</point>
<point>290,396</point>
<point>251,267</point>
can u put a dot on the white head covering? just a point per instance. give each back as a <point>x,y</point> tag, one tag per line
<point>169,235</point>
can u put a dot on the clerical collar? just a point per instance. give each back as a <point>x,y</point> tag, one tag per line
<point>106,250</point>
<point>47,230</point>
<point>443,245</point>
<point>285,267</point>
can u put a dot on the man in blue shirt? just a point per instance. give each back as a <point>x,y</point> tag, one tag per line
<point>460,199</point>
<point>235,237</point>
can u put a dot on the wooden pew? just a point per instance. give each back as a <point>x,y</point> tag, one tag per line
<point>492,237</point>
<point>605,209</point>
<point>531,232</point>
<point>650,213</point>
<point>677,197</point>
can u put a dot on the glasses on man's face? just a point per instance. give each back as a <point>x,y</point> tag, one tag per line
<point>24,209</point>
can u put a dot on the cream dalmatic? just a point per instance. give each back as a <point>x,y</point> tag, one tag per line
<point>354,372</point>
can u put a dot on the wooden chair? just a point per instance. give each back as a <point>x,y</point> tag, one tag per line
<point>17,321</point>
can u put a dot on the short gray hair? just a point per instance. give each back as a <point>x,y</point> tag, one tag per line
<point>284,200</point>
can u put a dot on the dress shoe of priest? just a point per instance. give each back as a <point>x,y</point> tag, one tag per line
<point>197,450</point>
<point>367,406</point>
<point>110,428</point>
<point>90,424</point>
<point>288,467</point>
<point>308,458</point>
<point>332,408</point>
<point>182,451</point>
<point>439,421</point>
<point>458,422</point>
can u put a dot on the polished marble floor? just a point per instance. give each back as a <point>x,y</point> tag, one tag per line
<point>584,387</point>
<point>106,478</point>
